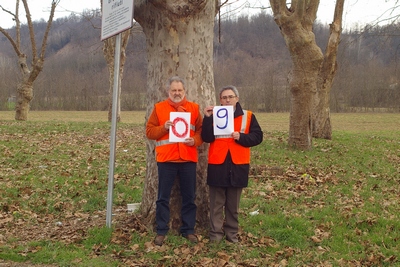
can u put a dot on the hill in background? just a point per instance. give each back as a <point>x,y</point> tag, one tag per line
<point>249,52</point>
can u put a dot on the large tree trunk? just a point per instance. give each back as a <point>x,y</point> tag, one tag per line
<point>322,127</point>
<point>295,24</point>
<point>24,97</point>
<point>179,38</point>
<point>24,90</point>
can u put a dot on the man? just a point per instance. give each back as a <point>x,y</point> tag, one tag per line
<point>228,165</point>
<point>175,159</point>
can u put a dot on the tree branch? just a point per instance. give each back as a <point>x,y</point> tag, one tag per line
<point>38,62</point>
<point>13,43</point>
<point>9,12</point>
<point>329,65</point>
<point>279,10</point>
<point>338,16</point>
<point>18,25</point>
<point>312,9</point>
<point>31,30</point>
<point>300,9</point>
<point>49,22</point>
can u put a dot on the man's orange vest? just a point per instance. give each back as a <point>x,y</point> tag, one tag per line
<point>176,151</point>
<point>224,143</point>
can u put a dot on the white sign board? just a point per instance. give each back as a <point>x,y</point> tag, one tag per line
<point>223,120</point>
<point>117,17</point>
<point>180,129</point>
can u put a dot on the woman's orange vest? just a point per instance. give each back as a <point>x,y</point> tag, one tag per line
<point>224,143</point>
<point>175,151</point>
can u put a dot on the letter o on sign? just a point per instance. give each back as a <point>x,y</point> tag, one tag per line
<point>174,122</point>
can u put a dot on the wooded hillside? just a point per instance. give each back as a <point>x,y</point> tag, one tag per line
<point>249,52</point>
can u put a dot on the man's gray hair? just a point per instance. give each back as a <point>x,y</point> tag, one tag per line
<point>229,87</point>
<point>175,79</point>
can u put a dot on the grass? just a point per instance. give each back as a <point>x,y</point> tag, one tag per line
<point>336,205</point>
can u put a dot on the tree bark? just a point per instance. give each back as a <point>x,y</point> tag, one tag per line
<point>322,127</point>
<point>24,97</point>
<point>179,38</point>
<point>24,90</point>
<point>296,24</point>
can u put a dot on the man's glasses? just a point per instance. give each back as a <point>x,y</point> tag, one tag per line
<point>225,97</point>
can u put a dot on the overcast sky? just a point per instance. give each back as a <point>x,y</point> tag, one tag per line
<point>355,11</point>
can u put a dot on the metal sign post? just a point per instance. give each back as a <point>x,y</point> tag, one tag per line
<point>117,17</point>
<point>113,130</point>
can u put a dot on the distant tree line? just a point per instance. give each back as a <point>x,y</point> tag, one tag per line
<point>249,52</point>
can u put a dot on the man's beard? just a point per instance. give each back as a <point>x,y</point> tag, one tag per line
<point>177,99</point>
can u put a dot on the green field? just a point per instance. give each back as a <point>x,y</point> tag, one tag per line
<point>336,205</point>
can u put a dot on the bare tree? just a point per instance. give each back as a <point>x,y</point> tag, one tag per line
<point>310,68</point>
<point>321,121</point>
<point>29,72</point>
<point>179,38</point>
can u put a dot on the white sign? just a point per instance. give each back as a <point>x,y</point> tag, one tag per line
<point>180,129</point>
<point>223,120</point>
<point>117,17</point>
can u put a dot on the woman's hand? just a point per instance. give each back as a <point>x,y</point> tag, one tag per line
<point>236,135</point>
<point>208,111</point>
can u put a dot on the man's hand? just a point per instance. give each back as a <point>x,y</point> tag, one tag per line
<point>189,141</point>
<point>167,124</point>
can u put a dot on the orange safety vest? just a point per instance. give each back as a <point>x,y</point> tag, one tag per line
<point>224,143</point>
<point>175,151</point>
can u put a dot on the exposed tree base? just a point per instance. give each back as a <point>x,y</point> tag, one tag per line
<point>24,97</point>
